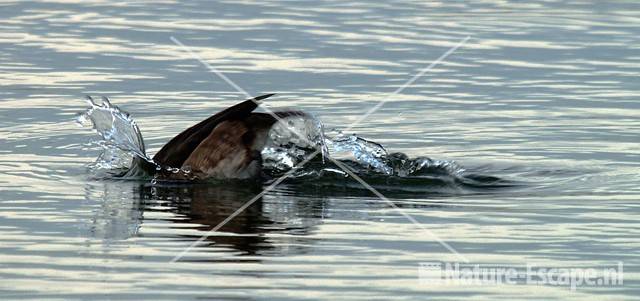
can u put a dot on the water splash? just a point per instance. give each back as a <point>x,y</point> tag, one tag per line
<point>291,141</point>
<point>371,157</point>
<point>365,152</point>
<point>122,143</point>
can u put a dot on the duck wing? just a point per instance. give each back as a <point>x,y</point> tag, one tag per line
<point>226,153</point>
<point>178,149</point>
<point>233,148</point>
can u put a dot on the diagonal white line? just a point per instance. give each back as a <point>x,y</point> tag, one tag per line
<point>408,83</point>
<point>211,68</point>
<point>348,170</point>
<point>245,206</point>
<point>239,89</point>
<point>316,152</point>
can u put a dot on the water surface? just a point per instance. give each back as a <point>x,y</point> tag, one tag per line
<point>544,93</point>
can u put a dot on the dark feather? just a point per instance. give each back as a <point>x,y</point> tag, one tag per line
<point>178,149</point>
<point>225,145</point>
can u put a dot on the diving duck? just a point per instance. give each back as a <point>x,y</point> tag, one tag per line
<point>226,145</point>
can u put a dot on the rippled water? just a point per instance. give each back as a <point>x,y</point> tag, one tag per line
<point>544,94</point>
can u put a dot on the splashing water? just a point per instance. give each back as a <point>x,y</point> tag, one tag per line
<point>292,142</point>
<point>367,153</point>
<point>121,139</point>
<point>122,143</point>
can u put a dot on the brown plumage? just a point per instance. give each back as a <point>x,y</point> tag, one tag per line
<point>226,145</point>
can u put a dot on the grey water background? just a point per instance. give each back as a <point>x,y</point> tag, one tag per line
<point>544,92</point>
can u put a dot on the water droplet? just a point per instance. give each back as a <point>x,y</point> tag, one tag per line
<point>106,102</point>
<point>89,100</point>
<point>81,120</point>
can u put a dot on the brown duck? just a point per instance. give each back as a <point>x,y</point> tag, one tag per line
<point>226,145</point>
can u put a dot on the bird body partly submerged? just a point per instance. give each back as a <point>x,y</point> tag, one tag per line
<point>226,145</point>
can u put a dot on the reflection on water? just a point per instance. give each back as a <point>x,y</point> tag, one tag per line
<point>199,208</point>
<point>540,108</point>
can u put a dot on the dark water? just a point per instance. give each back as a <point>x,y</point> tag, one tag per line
<point>544,94</point>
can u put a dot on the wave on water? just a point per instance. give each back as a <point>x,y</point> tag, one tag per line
<point>121,145</point>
